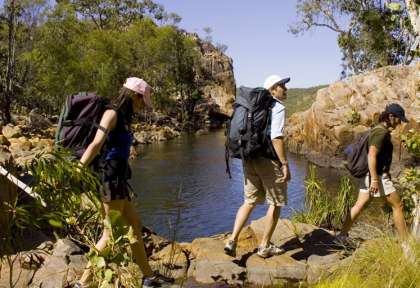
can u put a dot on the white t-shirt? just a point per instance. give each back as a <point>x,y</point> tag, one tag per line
<point>278,119</point>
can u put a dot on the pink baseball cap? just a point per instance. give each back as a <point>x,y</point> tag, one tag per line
<point>140,86</point>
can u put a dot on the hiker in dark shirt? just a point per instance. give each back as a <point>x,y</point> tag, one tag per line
<point>378,181</point>
<point>133,96</point>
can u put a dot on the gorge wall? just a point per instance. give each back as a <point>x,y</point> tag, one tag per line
<point>347,108</point>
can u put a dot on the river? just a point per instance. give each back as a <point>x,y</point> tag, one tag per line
<point>184,192</point>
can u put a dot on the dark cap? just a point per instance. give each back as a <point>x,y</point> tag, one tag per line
<point>396,110</point>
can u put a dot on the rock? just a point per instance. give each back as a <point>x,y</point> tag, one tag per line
<point>4,141</point>
<point>201,132</point>
<point>153,243</point>
<point>5,156</point>
<point>65,247</point>
<point>37,121</point>
<point>10,131</point>
<point>321,266</point>
<point>322,131</point>
<point>285,233</point>
<point>171,259</point>
<point>210,263</point>
<point>20,277</point>
<point>53,273</point>
<point>274,270</point>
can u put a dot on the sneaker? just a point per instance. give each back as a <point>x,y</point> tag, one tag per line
<point>270,250</point>
<point>79,285</point>
<point>157,280</point>
<point>230,248</point>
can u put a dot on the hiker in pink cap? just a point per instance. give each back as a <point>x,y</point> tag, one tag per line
<point>115,171</point>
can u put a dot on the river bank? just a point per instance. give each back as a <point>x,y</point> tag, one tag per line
<point>310,254</point>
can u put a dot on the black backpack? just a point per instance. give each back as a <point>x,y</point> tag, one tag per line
<point>247,129</point>
<point>356,156</point>
<point>79,121</point>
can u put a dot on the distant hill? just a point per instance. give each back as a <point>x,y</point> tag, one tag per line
<point>301,99</point>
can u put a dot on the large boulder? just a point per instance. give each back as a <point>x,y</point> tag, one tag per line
<point>346,108</point>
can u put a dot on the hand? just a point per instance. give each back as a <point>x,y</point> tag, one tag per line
<point>374,187</point>
<point>286,173</point>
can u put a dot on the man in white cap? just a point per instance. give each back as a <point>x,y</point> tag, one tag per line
<point>266,179</point>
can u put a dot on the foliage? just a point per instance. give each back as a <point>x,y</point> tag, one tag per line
<point>322,209</point>
<point>381,263</point>
<point>89,45</point>
<point>371,34</point>
<point>70,193</point>
<point>301,99</point>
<point>409,183</point>
<point>113,265</point>
<point>411,142</point>
<point>354,118</point>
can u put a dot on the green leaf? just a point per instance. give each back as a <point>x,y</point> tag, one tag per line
<point>394,7</point>
<point>55,223</point>
<point>98,261</point>
<point>108,275</point>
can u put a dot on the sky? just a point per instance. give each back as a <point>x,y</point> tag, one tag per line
<point>256,33</point>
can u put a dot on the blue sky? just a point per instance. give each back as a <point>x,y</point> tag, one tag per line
<point>256,33</point>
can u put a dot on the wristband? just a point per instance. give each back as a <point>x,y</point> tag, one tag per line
<point>284,162</point>
<point>375,180</point>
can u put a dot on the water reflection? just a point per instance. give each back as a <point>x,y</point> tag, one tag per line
<point>185,181</point>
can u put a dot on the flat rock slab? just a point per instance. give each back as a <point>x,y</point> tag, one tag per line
<point>322,266</point>
<point>274,270</point>
<point>20,277</point>
<point>286,232</point>
<point>210,264</point>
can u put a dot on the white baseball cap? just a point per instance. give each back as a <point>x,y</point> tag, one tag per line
<point>275,79</point>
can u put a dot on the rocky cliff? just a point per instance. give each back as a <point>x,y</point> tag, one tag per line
<point>216,79</point>
<point>346,108</point>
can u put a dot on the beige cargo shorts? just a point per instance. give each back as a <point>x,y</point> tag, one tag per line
<point>262,182</point>
<point>386,186</point>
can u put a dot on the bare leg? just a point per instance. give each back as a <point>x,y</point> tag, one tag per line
<point>362,201</point>
<point>394,201</point>
<point>241,218</point>
<point>139,252</point>
<point>271,220</point>
<point>106,234</point>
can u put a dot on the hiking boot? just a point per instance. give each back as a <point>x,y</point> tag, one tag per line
<point>157,280</point>
<point>342,239</point>
<point>408,252</point>
<point>230,248</point>
<point>270,250</point>
<point>79,285</point>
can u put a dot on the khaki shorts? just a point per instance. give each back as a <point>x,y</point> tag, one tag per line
<point>262,182</point>
<point>386,186</point>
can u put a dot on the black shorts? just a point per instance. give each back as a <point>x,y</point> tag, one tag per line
<point>115,174</point>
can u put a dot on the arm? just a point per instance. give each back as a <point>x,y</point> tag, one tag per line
<point>374,177</point>
<point>108,121</point>
<point>279,147</point>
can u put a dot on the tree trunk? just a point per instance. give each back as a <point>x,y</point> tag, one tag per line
<point>8,95</point>
<point>414,12</point>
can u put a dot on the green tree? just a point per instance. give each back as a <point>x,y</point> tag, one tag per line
<point>371,33</point>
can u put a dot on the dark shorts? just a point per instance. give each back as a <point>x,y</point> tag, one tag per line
<point>115,174</point>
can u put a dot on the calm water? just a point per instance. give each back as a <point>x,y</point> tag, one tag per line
<point>182,184</point>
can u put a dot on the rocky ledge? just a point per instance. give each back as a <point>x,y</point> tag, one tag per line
<point>346,108</point>
<point>34,134</point>
<point>310,254</point>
